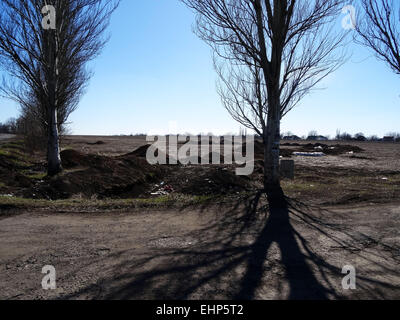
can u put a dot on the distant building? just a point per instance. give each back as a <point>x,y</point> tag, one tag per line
<point>388,139</point>
<point>293,138</point>
<point>317,138</point>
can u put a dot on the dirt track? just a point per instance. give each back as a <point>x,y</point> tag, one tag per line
<point>202,254</point>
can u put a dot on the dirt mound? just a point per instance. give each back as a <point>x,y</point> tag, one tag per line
<point>14,168</point>
<point>141,151</point>
<point>336,149</point>
<point>286,153</point>
<point>72,158</point>
<point>94,175</point>
<point>207,180</point>
<point>5,164</point>
<point>130,176</point>
<point>13,181</point>
<point>97,143</point>
<point>289,144</point>
<point>259,151</point>
<point>341,149</point>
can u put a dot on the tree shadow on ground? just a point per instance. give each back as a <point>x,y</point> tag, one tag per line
<point>278,229</point>
<point>244,253</point>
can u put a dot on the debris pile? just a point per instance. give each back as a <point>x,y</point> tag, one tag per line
<point>317,149</point>
<point>162,189</point>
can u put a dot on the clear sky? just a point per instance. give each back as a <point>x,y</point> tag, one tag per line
<point>156,76</point>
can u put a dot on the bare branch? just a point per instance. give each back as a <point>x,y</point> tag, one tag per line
<point>378,28</point>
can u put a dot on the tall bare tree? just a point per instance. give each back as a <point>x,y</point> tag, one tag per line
<point>45,46</point>
<point>243,93</point>
<point>287,46</point>
<point>378,27</point>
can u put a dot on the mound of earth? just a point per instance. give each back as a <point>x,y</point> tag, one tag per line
<point>207,180</point>
<point>94,175</point>
<point>14,166</point>
<point>291,144</point>
<point>216,181</point>
<point>141,152</point>
<point>5,164</point>
<point>259,151</point>
<point>335,150</point>
<point>98,143</point>
<point>130,176</point>
<point>71,158</point>
<point>12,181</point>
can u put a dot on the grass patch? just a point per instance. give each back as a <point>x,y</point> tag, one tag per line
<point>13,152</point>
<point>93,205</point>
<point>16,145</point>
<point>36,176</point>
<point>345,189</point>
<point>5,153</point>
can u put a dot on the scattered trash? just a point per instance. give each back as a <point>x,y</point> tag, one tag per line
<point>168,188</point>
<point>164,190</point>
<point>309,154</point>
<point>351,152</point>
<point>328,150</point>
<point>159,193</point>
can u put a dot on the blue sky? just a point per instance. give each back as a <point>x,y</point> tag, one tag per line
<point>156,76</point>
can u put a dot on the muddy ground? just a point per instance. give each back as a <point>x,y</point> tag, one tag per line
<point>198,232</point>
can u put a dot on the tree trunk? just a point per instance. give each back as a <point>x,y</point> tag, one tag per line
<point>272,75</point>
<point>271,148</point>
<point>53,145</point>
<point>53,148</point>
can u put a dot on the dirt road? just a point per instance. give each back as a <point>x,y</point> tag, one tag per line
<point>202,254</point>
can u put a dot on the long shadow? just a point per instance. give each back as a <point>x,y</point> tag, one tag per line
<point>226,259</point>
<point>278,229</point>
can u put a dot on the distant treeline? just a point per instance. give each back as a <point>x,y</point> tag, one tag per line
<point>28,126</point>
<point>10,126</point>
<point>343,136</point>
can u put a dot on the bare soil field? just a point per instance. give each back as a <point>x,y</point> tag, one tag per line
<point>115,227</point>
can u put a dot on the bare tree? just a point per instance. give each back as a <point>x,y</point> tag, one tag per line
<point>278,50</point>
<point>243,94</point>
<point>378,28</point>
<point>45,46</point>
<point>313,133</point>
